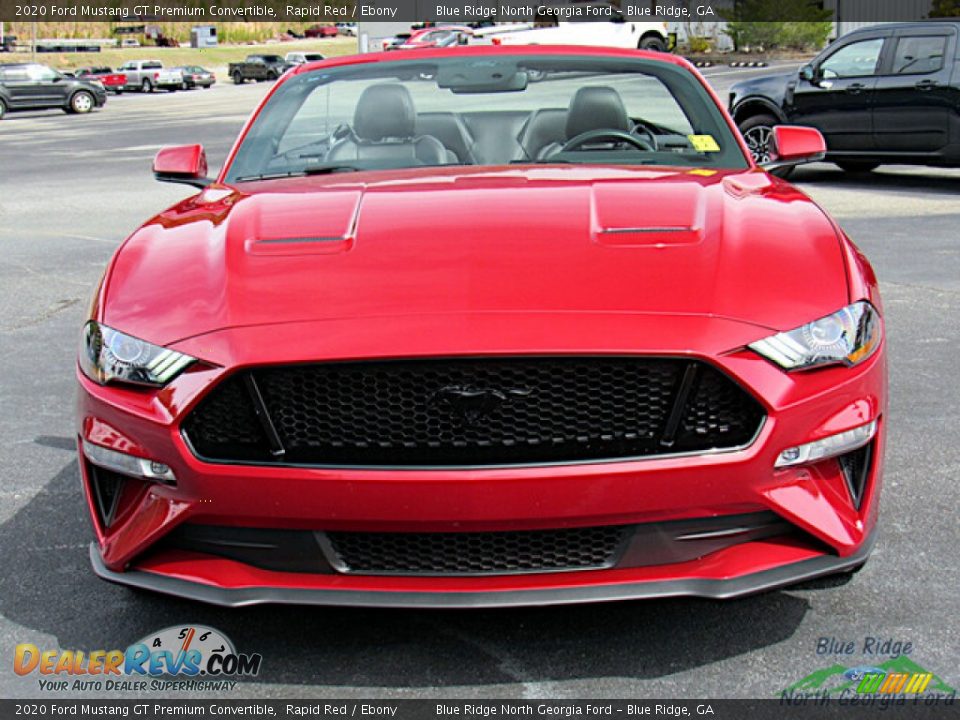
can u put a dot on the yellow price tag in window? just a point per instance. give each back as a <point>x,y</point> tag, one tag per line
<point>703,143</point>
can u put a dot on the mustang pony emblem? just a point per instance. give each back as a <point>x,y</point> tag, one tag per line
<point>472,403</point>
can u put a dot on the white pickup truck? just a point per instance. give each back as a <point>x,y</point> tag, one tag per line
<point>150,75</point>
<point>551,29</point>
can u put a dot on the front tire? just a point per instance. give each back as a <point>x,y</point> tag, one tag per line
<point>82,102</point>
<point>146,86</point>
<point>237,77</point>
<point>653,43</point>
<point>3,109</point>
<point>857,166</point>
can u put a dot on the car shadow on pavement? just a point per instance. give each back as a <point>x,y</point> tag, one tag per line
<point>887,178</point>
<point>46,584</point>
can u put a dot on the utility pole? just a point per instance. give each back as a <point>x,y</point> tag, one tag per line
<point>33,42</point>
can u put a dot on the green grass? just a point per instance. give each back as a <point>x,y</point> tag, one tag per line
<point>215,59</point>
<point>228,32</point>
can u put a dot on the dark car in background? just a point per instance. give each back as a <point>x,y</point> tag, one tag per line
<point>881,94</point>
<point>258,67</point>
<point>195,76</point>
<point>29,86</point>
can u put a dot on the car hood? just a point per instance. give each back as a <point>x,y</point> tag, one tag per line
<point>461,241</point>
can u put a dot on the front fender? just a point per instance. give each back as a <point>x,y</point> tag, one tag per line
<point>754,104</point>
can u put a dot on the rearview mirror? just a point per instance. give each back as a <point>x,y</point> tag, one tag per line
<point>481,76</point>
<point>808,73</point>
<point>185,164</point>
<point>794,145</point>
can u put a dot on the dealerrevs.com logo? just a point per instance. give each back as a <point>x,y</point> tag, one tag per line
<point>181,657</point>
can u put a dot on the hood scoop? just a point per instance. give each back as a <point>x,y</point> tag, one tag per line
<point>624,216</point>
<point>648,236</point>
<point>301,224</point>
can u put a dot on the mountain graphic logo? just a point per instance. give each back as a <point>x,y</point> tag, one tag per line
<point>897,675</point>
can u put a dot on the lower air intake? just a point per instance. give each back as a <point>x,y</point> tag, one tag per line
<point>476,553</point>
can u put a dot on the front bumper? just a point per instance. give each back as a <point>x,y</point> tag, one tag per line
<point>704,587</point>
<point>833,533</point>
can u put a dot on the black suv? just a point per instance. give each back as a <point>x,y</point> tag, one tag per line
<point>28,86</point>
<point>881,94</point>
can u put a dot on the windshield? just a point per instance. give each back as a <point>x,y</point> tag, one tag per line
<point>486,110</point>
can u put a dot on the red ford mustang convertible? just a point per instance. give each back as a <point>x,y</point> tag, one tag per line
<point>484,327</point>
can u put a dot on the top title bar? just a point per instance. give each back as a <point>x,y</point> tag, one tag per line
<point>462,11</point>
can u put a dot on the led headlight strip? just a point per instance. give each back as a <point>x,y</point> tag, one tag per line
<point>128,464</point>
<point>828,447</point>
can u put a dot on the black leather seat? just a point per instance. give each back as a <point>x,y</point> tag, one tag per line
<point>545,127</point>
<point>594,107</point>
<point>384,129</point>
<point>494,138</point>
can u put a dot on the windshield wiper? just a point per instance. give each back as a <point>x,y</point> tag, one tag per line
<point>543,161</point>
<point>551,161</point>
<point>315,170</point>
<point>325,169</point>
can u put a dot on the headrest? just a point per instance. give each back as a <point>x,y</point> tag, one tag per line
<point>384,111</point>
<point>596,108</point>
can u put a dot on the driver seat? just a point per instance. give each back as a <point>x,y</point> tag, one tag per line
<point>384,129</point>
<point>594,107</point>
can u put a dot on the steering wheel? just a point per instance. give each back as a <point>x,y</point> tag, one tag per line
<point>645,134</point>
<point>606,134</point>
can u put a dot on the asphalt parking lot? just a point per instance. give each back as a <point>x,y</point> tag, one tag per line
<point>72,187</point>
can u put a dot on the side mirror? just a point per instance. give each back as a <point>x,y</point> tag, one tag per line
<point>185,164</point>
<point>794,145</point>
<point>808,73</point>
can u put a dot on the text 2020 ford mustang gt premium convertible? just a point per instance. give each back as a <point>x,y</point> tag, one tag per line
<point>484,326</point>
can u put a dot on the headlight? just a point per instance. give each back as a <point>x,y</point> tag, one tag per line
<point>848,336</point>
<point>106,354</point>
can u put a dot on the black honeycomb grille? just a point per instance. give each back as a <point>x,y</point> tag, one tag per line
<point>476,553</point>
<point>717,409</point>
<point>472,412</point>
